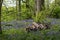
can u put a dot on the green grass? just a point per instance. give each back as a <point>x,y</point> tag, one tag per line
<point>21,34</point>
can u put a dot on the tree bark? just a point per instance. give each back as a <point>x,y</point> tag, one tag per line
<point>18,2</point>
<point>39,5</point>
<point>1,1</point>
<point>19,5</point>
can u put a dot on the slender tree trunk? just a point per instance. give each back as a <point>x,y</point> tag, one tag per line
<point>39,5</point>
<point>1,1</point>
<point>18,9</point>
<point>27,6</point>
<point>27,3</point>
<point>19,5</point>
<point>43,4</point>
<point>16,5</point>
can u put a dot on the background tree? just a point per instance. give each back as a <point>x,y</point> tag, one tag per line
<point>39,5</point>
<point>18,5</point>
<point>27,3</point>
<point>1,1</point>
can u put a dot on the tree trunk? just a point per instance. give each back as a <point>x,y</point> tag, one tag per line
<point>39,5</point>
<point>19,5</point>
<point>18,9</point>
<point>27,3</point>
<point>42,4</point>
<point>1,1</point>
